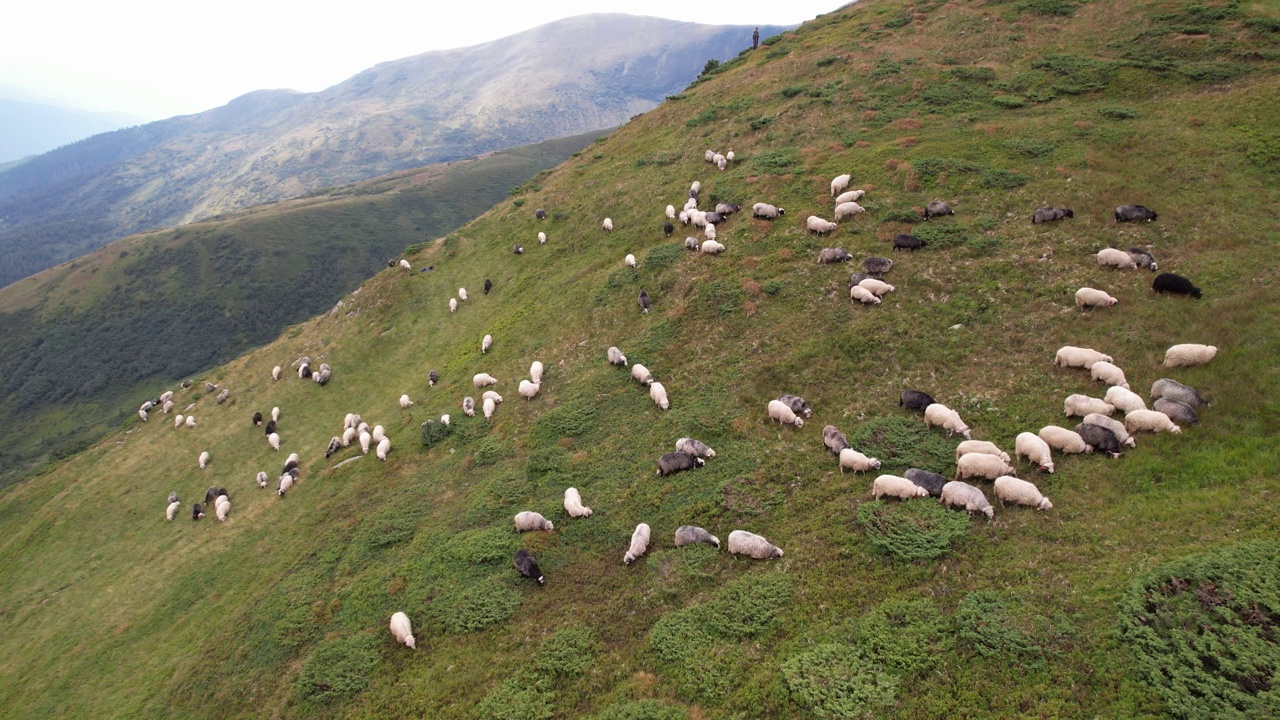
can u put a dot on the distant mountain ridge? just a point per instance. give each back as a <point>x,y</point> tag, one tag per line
<point>32,128</point>
<point>567,77</point>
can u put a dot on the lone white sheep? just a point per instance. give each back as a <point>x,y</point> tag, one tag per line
<point>276,372</point>
<point>1064,440</point>
<point>1108,373</point>
<point>1020,492</point>
<point>983,466</point>
<point>402,630</point>
<point>491,395</point>
<point>204,460</point>
<point>711,247</point>
<point>384,447</point>
<point>462,294</point>
<point>573,504</point>
<point>177,420</point>
<point>1188,354</point>
<point>1111,257</point>
<point>940,415</point>
<point>1069,356</point>
<point>607,224</point>
<point>616,357</point>
<point>1084,405</point>
<point>261,479</point>
<point>190,421</point>
<point>1116,427</point>
<point>1090,297</point>
<point>275,414</point>
<point>856,461</point>
<point>483,379</point>
<point>980,446</point>
<point>485,343</point>
<point>535,372</point>
<point>223,508</point>
<point>862,294</point>
<point>960,494</point>
<point>1034,449</point>
<point>641,374</point>
<point>898,487</point>
<point>629,260</point>
<point>542,238</point>
<point>405,403</point>
<point>529,520</point>
<point>528,390</point>
<point>1124,399</point>
<point>742,542</point>
<point>783,414</point>
<point>840,183</point>
<point>818,225</point>
<point>671,212</point>
<point>1149,421</point>
<point>639,544</point>
<point>659,395</point>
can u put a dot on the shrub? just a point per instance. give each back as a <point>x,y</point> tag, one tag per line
<point>491,451</point>
<point>783,161</point>
<point>773,287</point>
<point>901,216</point>
<point>792,90</point>
<point>911,530</point>
<point>1118,112</point>
<point>901,21</point>
<point>824,62</point>
<point>997,179</point>
<point>905,442</point>
<point>481,545</point>
<point>702,118</point>
<point>1010,102</point>
<point>834,681</point>
<point>760,123</point>
<point>983,622</point>
<point>565,654</point>
<point>338,668</point>
<point>972,73</point>
<point>572,419</point>
<point>943,94</point>
<point>1058,8</point>
<point>1210,72</point>
<point>1078,74</point>
<point>1030,148</point>
<point>433,432</point>
<point>643,710</point>
<point>517,698</point>
<point>905,636</point>
<point>477,606</point>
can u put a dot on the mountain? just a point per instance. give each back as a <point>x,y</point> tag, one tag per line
<point>1147,591</point>
<point>32,128</point>
<point>568,77</point>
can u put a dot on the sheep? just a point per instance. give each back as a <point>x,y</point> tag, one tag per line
<point>573,504</point>
<point>1177,411</point>
<point>639,544</point>
<point>711,247</point>
<point>783,414</point>
<point>517,249</point>
<point>930,481</point>
<point>222,509</point>
<point>959,494</point>
<point>1111,257</point>
<point>483,379</point>
<point>378,433</point>
<point>1069,356</point>
<point>173,497</point>
<point>674,462</point>
<point>405,403</point>
<point>190,421</point>
<point>275,414</point>
<point>444,419</point>
<point>1134,213</point>
<point>1188,354</point>
<point>1020,492</point>
<point>983,466</point>
<point>485,343</point>
<point>797,404</point>
<point>304,371</point>
<point>177,420</point>
<point>433,377</point>
<point>819,226</point>
<point>1084,405</point>
<point>1117,428</point>
<point>877,287</point>
<point>1064,440</point>
<point>491,395</point>
<point>848,209</point>
<point>907,242</point>
<point>936,208</point>
<point>720,161</point>
<point>694,447</point>
<point>210,387</point>
<point>742,542</point>
<point>335,443</point>
<point>384,447</point>
<point>692,535</point>
<point>1100,439</point>
<point>540,214</point>
<point>1109,374</point>
<point>834,440</point>
<point>542,238</point>
<point>827,256</point>
<point>527,566</point>
<point>453,304</point>
<point>166,396</point>
<point>861,294</point>
<point>616,357</point>
<point>276,372</point>
<point>468,406</point>
<point>691,243</point>
<point>257,419</point>
<point>942,416</point>
<point>1124,399</point>
<point>405,264</point>
<point>211,494</point>
<point>365,439</point>
<point>172,510</point>
<point>489,407</point>
<point>725,209</point>
<point>641,374</point>
<point>658,394</point>
<point>146,406</point>
<point>535,372</point>
<point>683,217</point>
<point>1174,390</point>
<point>671,212</point>
<point>668,228</point>
<point>142,414</point>
<point>607,224</point>
<point>528,390</point>
<point>402,630</point>
<point>851,196</point>
<point>1087,297</point>
<point>1034,449</point>
<point>898,487</point>
<point>840,183</point>
<point>1050,214</point>
<point>856,461</point>
<point>765,211</point>
<point>270,428</point>
<point>1149,421</point>
<point>462,294</point>
<point>167,407</point>
<point>980,446</point>
<point>1142,258</point>
<point>629,260</point>
<point>274,441</point>
<point>204,460</point>
<point>529,520</point>
<point>197,511</point>
<point>876,265</point>
<point>643,299</point>
<point>915,399</point>
<point>322,377</point>
<point>291,462</point>
<point>261,479</point>
<point>284,484</point>
<point>729,156</point>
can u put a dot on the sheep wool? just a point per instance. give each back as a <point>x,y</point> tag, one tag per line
<point>856,461</point>
<point>274,441</point>
<point>746,543</point>
<point>489,407</point>
<point>172,510</point>
<point>1084,405</point>
<point>365,439</point>
<point>659,395</point>
<point>616,357</point>
<point>483,380</point>
<point>964,495</point>
<point>639,544</point>
<point>840,183</point>
<point>402,629</point>
<point>535,372</point>
<point>1124,399</point>
<point>980,446</point>
<point>783,414</point>
<point>529,520</point>
<point>1116,427</point>
<point>1034,449</point>
<point>1149,421</point>
<point>573,504</point>
<point>486,343</point>
<point>939,415</point>
<point>629,260</point>
<point>898,487</point>
<point>384,447</point>
<point>1188,354</point>
<point>863,295</point>
<point>691,535</point>
<point>1070,356</point>
<point>1064,440</point>
<point>641,374</point>
<point>528,390</point>
<point>204,460</point>
<point>1109,374</point>
<point>983,466</point>
<point>1020,492</point>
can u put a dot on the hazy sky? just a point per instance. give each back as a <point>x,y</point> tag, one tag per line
<point>158,58</point>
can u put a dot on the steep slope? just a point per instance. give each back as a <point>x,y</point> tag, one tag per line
<point>565,78</point>
<point>282,611</point>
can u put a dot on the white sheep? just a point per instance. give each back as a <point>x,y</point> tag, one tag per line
<point>365,439</point>
<point>1110,257</point>
<point>483,379</point>
<point>684,217</point>
<point>1089,297</point>
<point>711,247</point>
<point>1108,373</point>
<point>856,461</point>
<point>1188,354</point>
<point>709,232</point>
<point>485,343</point>
<point>529,520</point>
<point>1116,427</point>
<point>142,414</point>
<point>1034,449</point>
<point>489,407</point>
<point>694,447</point>
<point>1070,356</point>
<point>535,372</point>
<point>177,420</point>
<point>286,482</point>
<point>378,433</point>
<point>940,415</point>
<point>542,238</point>
<point>659,395</point>
<point>641,374</point>
<point>1124,399</point>
<point>405,403</point>
<point>861,294</point>
<point>698,218</point>
<point>274,441</point>
<point>840,183</point>
<point>491,395</point>
<point>898,487</point>
<point>616,357</point>
<point>222,508</point>
<point>1020,492</point>
<point>276,372</point>
<point>1149,421</point>
<point>671,212</point>
<point>848,209</point>
<point>783,414</point>
<point>190,421</point>
<point>956,493</point>
<point>710,155</point>
<point>348,435</point>
<point>851,196</point>
<point>275,414</point>
<point>444,419</point>
<point>204,460</point>
<point>453,304</point>
<point>742,542</point>
<point>629,260</point>
<point>877,287</point>
<point>528,390</point>
<point>722,162</point>
<point>167,407</point>
<point>639,544</point>
<point>405,264</point>
<point>607,224</point>
<point>983,466</point>
<point>573,504</point>
<point>402,629</point>
<point>765,211</point>
<point>261,479</point>
<point>695,187</point>
<point>1064,440</point>
<point>729,156</point>
<point>1083,405</point>
<point>166,396</point>
<point>172,510</point>
<point>384,447</point>
<point>817,225</point>
<point>980,446</point>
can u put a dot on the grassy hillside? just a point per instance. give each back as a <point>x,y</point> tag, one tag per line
<point>156,308</point>
<point>1149,590</point>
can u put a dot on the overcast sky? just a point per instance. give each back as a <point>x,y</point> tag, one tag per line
<point>159,58</point>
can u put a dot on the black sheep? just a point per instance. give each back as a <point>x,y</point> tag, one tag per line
<point>668,228</point>
<point>540,214</point>
<point>271,427</point>
<point>907,242</point>
<point>211,494</point>
<point>937,208</point>
<point>674,462</point>
<point>197,511</point>
<point>488,285</point>
<point>1134,213</point>
<point>334,444</point>
<point>1176,284</point>
<point>1050,214</point>
<point>527,566</point>
<point>644,301</point>
<point>915,400</point>
<point>1102,439</point>
<point>797,404</point>
<point>877,265</point>
<point>932,482</point>
<point>518,249</point>
<point>433,377</point>
<point>257,419</point>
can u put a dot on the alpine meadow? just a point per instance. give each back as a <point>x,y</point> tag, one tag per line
<point>1150,588</point>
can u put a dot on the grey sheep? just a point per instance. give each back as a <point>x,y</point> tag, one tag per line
<point>1134,213</point>
<point>877,265</point>
<point>1142,258</point>
<point>797,405</point>
<point>937,208</point>
<point>1100,439</point>
<point>828,256</point>
<point>1178,411</point>
<point>931,482</point>
<point>674,462</point>
<point>527,566</point>
<point>834,439</point>
<point>694,447</point>
<point>1174,390</point>
<point>960,494</point>
<point>907,242</point>
<point>691,535</point>
<point>1050,214</point>
<point>915,400</point>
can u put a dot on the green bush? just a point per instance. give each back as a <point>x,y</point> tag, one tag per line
<point>643,710</point>
<point>477,606</point>
<point>824,62</point>
<point>835,681</point>
<point>1010,102</point>
<point>482,545</point>
<point>518,697</point>
<point>943,236</point>
<point>903,215</point>
<point>433,432</point>
<point>565,654</point>
<point>911,530</point>
<point>661,256</point>
<point>490,451</point>
<point>942,94</point>
<point>760,123</point>
<point>1118,112</point>
<point>984,624</point>
<point>905,442</point>
<point>973,73</point>
<point>997,179</point>
<point>783,161</point>
<point>1077,74</point>
<point>1210,72</point>
<point>773,287</point>
<point>338,668</point>
<point>1030,148</point>
<point>905,636</point>
<point>1056,8</point>
<point>901,21</point>
<point>792,90</point>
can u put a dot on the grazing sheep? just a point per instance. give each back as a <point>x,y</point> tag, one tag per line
<point>783,414</point>
<point>190,421</point>
<point>535,372</point>
<point>629,260</point>
<point>401,629</point>
<point>658,394</point>
<point>907,242</point>
<point>468,406</point>
<point>876,265</point>
<point>1100,439</point>
<point>142,414</point>
<point>1050,214</point>
<point>529,520</point>
<point>462,294</point>
<point>765,211</point>
<point>528,390</point>
<point>819,226</point>
<point>671,212</point>
<point>444,419</point>
<point>488,285</point>
<point>797,404</point>
<point>1142,258</point>
<point>405,264</point>
<point>840,183</point>
<point>483,379</point>
<point>204,460</point>
<point>691,243</point>
<point>1152,421</point>
<point>856,461</point>
<point>453,304</point>
<point>1134,213</point>
<point>742,542</point>
<point>197,511</point>
<point>488,406</point>
<point>257,419</point>
<point>1034,449</point>
<point>828,256</point>
<point>1108,373</point>
<point>725,209</point>
<point>674,462</point>
<point>898,487</point>
<point>276,372</point>
<point>1174,390</point>
<point>607,224</point>
<point>936,208</point>
<point>1178,411</point>
<point>942,416</point>
<point>1188,354</point>
<point>433,377</point>
<point>335,443</point>
<point>365,439</point>
<point>641,374</point>
<point>275,414</point>
<point>485,343</point>
<point>274,441</point>
<point>542,238</point>
<point>167,407</point>
<point>1111,257</point>
<point>172,510</point>
<point>1020,492</point>
<point>1069,356</point>
<point>616,357</point>
<point>834,440</point>
<point>1084,405</point>
<point>980,446</point>
<point>384,447</point>
<point>491,395</point>
<point>915,400</point>
<point>304,371</point>
<point>643,299</point>
<point>540,213</point>
<point>222,509</point>
<point>850,196</point>
<point>177,420</point>
<point>668,228</point>
<point>173,497</point>
<point>261,479</point>
<point>861,294</point>
<point>1175,284</point>
<point>1087,297</point>
<point>211,494</point>
<point>692,535</point>
<point>983,466</point>
<point>1064,440</point>
<point>517,249</point>
<point>694,447</point>
<point>290,462</point>
<point>877,287</point>
<point>527,566</point>
<point>959,494</point>
<point>711,247</point>
<point>1124,399</point>
<point>405,403</point>
<point>639,544</point>
<point>573,504</point>
<point>284,484</point>
<point>209,387</point>
<point>848,209</point>
<point>1116,427</point>
<point>270,428</point>
<point>930,481</point>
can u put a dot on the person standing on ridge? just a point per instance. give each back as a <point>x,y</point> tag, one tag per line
<point>755,39</point>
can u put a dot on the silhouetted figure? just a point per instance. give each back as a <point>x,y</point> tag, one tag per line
<point>755,39</point>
